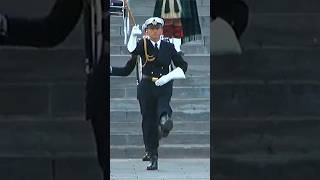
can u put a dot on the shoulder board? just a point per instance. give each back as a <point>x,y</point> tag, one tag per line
<point>166,39</point>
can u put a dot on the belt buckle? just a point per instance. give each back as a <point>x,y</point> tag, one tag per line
<point>149,78</point>
<point>154,79</point>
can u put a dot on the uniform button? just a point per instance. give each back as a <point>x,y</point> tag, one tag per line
<point>162,67</point>
<point>160,74</point>
<point>151,72</point>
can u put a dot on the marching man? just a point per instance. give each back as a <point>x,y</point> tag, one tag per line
<point>155,77</point>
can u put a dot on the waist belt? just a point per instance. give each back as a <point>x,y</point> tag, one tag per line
<point>149,78</point>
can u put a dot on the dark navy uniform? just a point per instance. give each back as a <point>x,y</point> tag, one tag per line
<point>154,100</point>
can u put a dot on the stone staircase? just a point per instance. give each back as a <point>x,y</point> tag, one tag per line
<point>266,101</point>
<point>190,101</point>
<point>44,135</point>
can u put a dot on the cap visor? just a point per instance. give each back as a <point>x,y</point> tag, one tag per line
<point>151,26</point>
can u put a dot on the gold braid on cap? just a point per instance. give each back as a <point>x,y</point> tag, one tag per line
<point>147,56</point>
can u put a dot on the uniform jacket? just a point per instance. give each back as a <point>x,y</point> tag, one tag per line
<point>160,66</point>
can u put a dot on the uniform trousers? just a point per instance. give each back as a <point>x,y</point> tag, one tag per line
<point>154,102</point>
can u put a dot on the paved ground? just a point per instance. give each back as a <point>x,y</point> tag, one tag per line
<point>169,169</point>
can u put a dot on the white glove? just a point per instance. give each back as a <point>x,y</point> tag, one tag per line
<point>135,31</point>
<point>162,80</point>
<point>132,43</point>
<point>177,73</point>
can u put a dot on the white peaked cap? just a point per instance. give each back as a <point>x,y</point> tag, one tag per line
<point>154,21</point>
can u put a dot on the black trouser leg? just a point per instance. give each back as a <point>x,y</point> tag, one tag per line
<point>164,112</point>
<point>163,104</point>
<point>153,141</point>
<point>149,124</point>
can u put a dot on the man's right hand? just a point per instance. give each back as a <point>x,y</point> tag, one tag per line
<point>136,30</point>
<point>132,43</point>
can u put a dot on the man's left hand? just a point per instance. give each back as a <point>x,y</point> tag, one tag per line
<point>162,80</point>
<point>177,73</point>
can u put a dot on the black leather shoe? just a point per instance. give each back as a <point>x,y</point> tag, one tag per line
<point>146,157</point>
<point>165,133</point>
<point>181,53</point>
<point>153,165</point>
<point>166,125</point>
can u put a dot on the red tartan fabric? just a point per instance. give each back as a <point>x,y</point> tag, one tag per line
<point>172,31</point>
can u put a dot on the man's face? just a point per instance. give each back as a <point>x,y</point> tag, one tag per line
<point>154,33</point>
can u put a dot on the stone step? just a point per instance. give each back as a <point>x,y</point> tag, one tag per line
<point>116,21</point>
<point>282,30</point>
<point>133,4</point>
<point>179,127</point>
<point>191,59</point>
<point>148,7</point>
<point>117,30</point>
<point>165,151</point>
<point>173,138</point>
<point>268,64</point>
<point>118,40</point>
<point>41,118</point>
<point>75,40</point>
<point>193,105</point>
<point>121,116</point>
<point>116,24</point>
<point>46,139</point>
<point>178,93</point>
<point>194,70</point>
<point>284,6</point>
<point>190,81</point>
<point>266,98</point>
<point>188,48</point>
<point>48,99</point>
<point>38,65</point>
<point>198,64</point>
<point>268,167</point>
<point>150,4</point>
<point>49,168</point>
<point>266,136</point>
